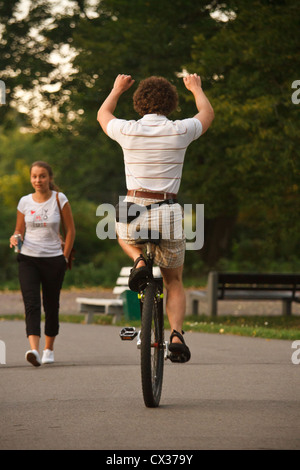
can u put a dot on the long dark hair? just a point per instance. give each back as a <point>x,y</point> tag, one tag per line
<point>47,167</point>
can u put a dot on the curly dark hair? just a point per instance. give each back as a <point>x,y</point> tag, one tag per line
<point>155,95</point>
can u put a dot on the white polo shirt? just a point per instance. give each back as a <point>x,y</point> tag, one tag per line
<point>154,149</point>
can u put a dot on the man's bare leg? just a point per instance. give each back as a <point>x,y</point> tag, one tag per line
<point>132,251</point>
<point>176,301</point>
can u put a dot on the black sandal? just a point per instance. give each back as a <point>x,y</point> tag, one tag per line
<point>139,277</point>
<point>178,352</point>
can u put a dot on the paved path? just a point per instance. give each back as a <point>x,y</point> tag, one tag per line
<point>235,393</point>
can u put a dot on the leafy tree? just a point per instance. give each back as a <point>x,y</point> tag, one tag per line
<point>250,169</point>
<point>245,169</point>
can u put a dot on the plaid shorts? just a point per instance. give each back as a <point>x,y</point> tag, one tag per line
<point>165,219</point>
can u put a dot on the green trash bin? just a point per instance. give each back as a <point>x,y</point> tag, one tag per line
<point>131,305</point>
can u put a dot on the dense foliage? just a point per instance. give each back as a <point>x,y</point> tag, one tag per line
<point>59,63</point>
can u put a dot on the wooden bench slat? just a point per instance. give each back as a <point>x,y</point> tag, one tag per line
<point>119,289</point>
<point>122,281</point>
<point>90,301</point>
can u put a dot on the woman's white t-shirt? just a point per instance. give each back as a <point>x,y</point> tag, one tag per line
<point>42,225</point>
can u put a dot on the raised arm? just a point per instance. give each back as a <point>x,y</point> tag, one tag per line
<point>105,113</point>
<point>205,110</point>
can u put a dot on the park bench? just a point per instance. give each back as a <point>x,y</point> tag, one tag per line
<point>113,306</point>
<point>243,286</point>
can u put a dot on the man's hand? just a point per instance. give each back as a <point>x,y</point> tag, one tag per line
<point>123,83</point>
<point>105,113</point>
<point>205,110</point>
<point>192,82</point>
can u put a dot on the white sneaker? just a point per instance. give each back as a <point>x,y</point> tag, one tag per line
<point>33,357</point>
<point>48,356</point>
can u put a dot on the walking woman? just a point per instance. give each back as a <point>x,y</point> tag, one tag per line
<point>42,260</point>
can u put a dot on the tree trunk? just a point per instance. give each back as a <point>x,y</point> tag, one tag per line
<point>217,237</point>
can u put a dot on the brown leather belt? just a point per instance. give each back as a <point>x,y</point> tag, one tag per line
<point>150,194</point>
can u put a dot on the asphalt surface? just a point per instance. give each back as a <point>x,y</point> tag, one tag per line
<point>236,393</point>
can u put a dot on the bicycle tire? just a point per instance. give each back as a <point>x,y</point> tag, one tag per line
<point>152,347</point>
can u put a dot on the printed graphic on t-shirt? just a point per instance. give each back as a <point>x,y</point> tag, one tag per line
<point>39,220</point>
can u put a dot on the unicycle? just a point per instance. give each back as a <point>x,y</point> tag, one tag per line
<point>150,339</point>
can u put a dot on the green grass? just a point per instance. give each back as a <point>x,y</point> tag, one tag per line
<point>270,327</point>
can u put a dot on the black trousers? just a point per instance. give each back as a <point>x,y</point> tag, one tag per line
<point>48,274</point>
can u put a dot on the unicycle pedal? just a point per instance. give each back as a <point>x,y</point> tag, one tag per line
<point>128,333</point>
